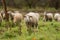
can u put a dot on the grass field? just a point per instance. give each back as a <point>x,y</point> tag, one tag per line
<point>46,31</point>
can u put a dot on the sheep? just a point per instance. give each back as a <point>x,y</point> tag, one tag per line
<point>48,16</point>
<point>0,18</point>
<point>17,17</point>
<point>31,19</point>
<point>56,16</point>
<point>11,14</point>
<point>58,19</point>
<point>3,14</point>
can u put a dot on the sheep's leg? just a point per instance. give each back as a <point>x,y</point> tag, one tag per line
<point>12,24</point>
<point>29,29</point>
<point>36,27</point>
<point>19,24</point>
<point>0,23</point>
<point>50,19</point>
<point>55,19</point>
<point>27,26</point>
<point>32,27</point>
<point>20,30</point>
<point>46,19</point>
<point>15,24</point>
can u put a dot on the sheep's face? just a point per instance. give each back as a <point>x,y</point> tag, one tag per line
<point>56,15</point>
<point>26,18</point>
<point>31,18</point>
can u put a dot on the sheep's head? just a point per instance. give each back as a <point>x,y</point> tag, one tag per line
<point>27,18</point>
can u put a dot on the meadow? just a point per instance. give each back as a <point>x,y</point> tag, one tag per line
<point>46,31</point>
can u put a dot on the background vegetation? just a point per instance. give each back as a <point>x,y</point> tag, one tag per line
<point>32,3</point>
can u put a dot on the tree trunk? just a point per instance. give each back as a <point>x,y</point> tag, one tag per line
<point>5,10</point>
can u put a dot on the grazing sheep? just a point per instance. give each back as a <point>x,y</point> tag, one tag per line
<point>56,16</point>
<point>3,14</point>
<point>17,17</point>
<point>0,18</point>
<point>48,16</point>
<point>58,19</point>
<point>31,19</point>
<point>11,14</point>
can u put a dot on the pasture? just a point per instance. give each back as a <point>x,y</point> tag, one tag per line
<point>22,12</point>
<point>46,31</point>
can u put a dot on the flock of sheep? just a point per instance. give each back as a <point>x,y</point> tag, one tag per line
<point>31,18</point>
<point>50,16</point>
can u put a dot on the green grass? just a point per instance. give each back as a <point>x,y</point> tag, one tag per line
<point>46,31</point>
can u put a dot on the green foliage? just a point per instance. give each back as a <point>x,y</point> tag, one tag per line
<point>46,31</point>
<point>32,3</point>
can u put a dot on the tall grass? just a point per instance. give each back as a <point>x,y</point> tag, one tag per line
<point>46,31</point>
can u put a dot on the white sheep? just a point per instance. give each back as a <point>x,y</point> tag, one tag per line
<point>31,19</point>
<point>56,16</point>
<point>58,19</point>
<point>3,14</point>
<point>17,17</point>
<point>48,16</point>
<point>0,18</point>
